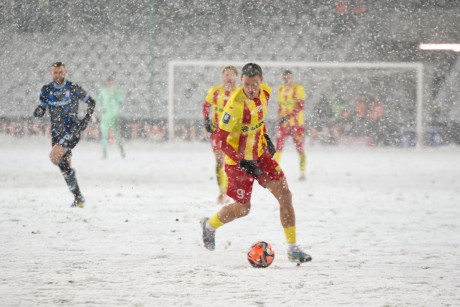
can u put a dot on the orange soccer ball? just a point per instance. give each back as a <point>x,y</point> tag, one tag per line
<point>261,254</point>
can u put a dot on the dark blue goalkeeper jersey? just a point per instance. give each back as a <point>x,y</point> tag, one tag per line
<point>62,102</point>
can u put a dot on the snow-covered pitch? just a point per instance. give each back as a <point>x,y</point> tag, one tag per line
<point>382,225</point>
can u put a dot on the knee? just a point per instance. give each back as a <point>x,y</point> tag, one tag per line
<point>220,159</point>
<point>220,162</point>
<point>54,158</point>
<point>286,197</point>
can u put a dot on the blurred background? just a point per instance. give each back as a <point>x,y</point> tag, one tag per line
<point>134,42</point>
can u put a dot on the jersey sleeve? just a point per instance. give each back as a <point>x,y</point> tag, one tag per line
<point>206,109</point>
<point>222,143</point>
<point>267,90</point>
<point>210,95</point>
<point>100,99</point>
<point>120,96</point>
<point>300,100</point>
<point>43,99</point>
<point>229,117</point>
<point>301,93</point>
<point>81,93</point>
<point>208,102</point>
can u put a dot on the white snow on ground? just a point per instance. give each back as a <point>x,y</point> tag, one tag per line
<point>381,224</point>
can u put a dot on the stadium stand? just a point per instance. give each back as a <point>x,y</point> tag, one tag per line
<point>135,42</point>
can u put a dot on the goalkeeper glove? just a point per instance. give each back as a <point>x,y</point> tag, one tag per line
<point>271,147</point>
<point>39,112</point>
<point>208,125</point>
<point>251,168</point>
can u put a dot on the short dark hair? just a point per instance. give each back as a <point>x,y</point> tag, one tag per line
<point>287,72</point>
<point>58,64</point>
<point>251,70</point>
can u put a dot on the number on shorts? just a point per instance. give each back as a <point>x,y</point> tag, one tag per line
<point>240,193</point>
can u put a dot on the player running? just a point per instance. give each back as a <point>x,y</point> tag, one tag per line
<point>291,100</point>
<point>215,101</point>
<point>242,136</point>
<point>61,98</point>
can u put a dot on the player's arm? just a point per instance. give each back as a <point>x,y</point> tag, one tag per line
<point>248,166</point>
<point>222,143</point>
<point>207,104</point>
<point>226,125</point>
<point>121,96</point>
<point>41,108</point>
<point>79,126</point>
<point>100,99</point>
<point>89,112</point>
<point>206,113</point>
<point>281,118</point>
<point>300,101</point>
<point>270,146</point>
<point>298,107</point>
<point>91,106</point>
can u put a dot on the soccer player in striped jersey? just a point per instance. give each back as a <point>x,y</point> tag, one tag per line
<point>61,97</point>
<point>213,106</point>
<point>291,121</point>
<point>243,138</point>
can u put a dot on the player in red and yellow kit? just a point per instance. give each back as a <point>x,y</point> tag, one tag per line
<point>243,138</point>
<point>291,122</point>
<point>213,106</point>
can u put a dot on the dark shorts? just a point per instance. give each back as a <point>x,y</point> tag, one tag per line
<point>65,143</point>
<point>240,183</point>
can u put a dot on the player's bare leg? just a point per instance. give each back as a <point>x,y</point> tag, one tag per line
<point>61,157</point>
<point>117,135</point>
<point>222,180</point>
<point>280,189</point>
<point>299,140</point>
<point>104,138</point>
<point>233,211</point>
<point>280,140</point>
<point>56,154</point>
<point>225,215</point>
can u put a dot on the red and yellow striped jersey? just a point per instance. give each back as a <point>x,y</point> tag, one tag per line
<point>291,102</point>
<point>216,99</point>
<point>244,121</point>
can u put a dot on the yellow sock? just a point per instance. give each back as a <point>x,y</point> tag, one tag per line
<point>303,163</point>
<point>277,156</point>
<point>214,222</point>
<point>222,179</point>
<point>290,233</point>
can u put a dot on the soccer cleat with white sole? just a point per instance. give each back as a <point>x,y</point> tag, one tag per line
<point>297,255</point>
<point>209,236</point>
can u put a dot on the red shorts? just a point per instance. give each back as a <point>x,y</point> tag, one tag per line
<point>296,132</point>
<point>240,183</point>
